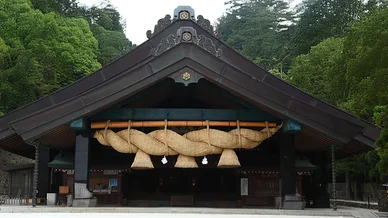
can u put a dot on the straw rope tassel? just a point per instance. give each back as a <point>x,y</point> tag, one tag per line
<point>228,157</point>
<point>266,127</point>
<point>184,161</point>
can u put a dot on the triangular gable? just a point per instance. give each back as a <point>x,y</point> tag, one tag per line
<point>168,50</point>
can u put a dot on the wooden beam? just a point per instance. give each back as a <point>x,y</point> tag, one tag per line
<point>156,114</point>
<point>102,125</point>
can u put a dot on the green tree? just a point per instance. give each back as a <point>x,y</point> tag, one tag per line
<point>43,52</point>
<point>257,29</point>
<point>352,73</point>
<point>111,44</point>
<point>366,55</point>
<point>322,19</point>
<point>105,22</point>
<point>318,72</point>
<point>67,8</point>
<point>106,16</point>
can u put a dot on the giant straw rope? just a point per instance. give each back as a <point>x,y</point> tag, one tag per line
<point>192,144</point>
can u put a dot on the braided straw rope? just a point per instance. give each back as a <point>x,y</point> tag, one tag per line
<point>192,144</point>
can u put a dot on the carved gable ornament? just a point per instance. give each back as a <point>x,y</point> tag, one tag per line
<point>186,35</point>
<point>182,13</point>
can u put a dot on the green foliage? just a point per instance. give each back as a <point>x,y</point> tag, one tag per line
<point>68,8</point>
<point>279,74</point>
<point>363,164</point>
<point>104,20</point>
<point>41,52</point>
<point>352,73</point>
<point>106,16</point>
<point>112,44</point>
<point>317,71</point>
<point>366,55</point>
<point>366,52</point>
<point>322,19</point>
<point>47,44</point>
<point>380,117</point>
<point>257,29</point>
<point>106,25</point>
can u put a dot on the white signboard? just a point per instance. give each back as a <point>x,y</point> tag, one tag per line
<point>244,186</point>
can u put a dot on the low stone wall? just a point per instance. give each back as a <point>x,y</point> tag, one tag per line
<point>6,159</point>
<point>358,204</point>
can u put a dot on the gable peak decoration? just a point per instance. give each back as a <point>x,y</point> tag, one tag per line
<point>186,35</point>
<point>182,13</point>
<point>205,24</point>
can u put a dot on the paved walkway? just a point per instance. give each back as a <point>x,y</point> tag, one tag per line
<point>360,212</point>
<point>6,211</point>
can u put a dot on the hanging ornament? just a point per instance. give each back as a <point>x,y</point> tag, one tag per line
<point>204,161</point>
<point>164,160</point>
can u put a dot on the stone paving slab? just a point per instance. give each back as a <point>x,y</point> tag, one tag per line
<point>147,215</point>
<point>161,210</point>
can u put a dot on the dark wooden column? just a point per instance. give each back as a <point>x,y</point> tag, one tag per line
<point>44,172</point>
<point>287,164</point>
<point>81,166</point>
<point>41,172</point>
<point>321,177</point>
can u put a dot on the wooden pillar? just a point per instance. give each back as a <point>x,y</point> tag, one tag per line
<point>41,170</point>
<point>321,178</point>
<point>81,167</point>
<point>287,164</point>
<point>44,172</point>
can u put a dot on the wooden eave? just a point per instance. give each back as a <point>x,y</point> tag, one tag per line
<point>139,69</point>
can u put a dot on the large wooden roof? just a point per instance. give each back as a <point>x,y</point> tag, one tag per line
<point>177,44</point>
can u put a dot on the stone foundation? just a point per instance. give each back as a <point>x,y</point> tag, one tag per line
<point>85,202</point>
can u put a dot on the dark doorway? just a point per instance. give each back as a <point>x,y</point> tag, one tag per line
<point>199,187</point>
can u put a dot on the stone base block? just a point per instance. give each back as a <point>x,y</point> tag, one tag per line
<point>51,199</point>
<point>294,205</point>
<point>92,202</point>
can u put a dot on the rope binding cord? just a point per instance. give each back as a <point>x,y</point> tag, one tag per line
<point>204,161</point>
<point>129,131</point>
<point>266,127</point>
<point>106,128</point>
<point>164,159</point>
<point>239,134</point>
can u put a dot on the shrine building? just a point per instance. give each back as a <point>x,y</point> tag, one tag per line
<point>183,120</point>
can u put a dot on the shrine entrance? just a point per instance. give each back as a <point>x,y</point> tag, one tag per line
<point>182,187</point>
